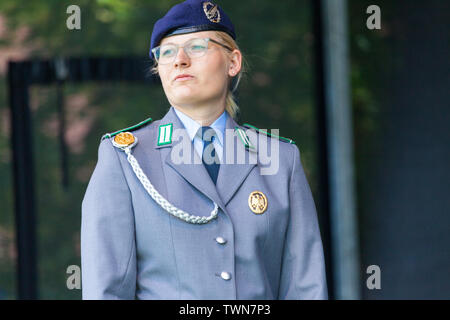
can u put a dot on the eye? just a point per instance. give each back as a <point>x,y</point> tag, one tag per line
<point>197,47</point>
<point>167,52</point>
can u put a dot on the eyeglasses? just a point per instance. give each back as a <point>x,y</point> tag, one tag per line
<point>194,48</point>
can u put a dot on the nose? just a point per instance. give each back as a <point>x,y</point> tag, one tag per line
<point>182,59</point>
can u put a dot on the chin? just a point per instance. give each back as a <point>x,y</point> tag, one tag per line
<point>184,100</point>
<point>187,96</point>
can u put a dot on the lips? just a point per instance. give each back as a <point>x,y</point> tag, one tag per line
<point>183,77</point>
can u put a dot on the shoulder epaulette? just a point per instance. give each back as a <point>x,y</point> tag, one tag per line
<point>132,128</point>
<point>249,126</point>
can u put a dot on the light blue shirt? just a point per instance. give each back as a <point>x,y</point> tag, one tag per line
<point>192,127</point>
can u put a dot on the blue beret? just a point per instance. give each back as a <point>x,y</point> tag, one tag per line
<point>191,16</point>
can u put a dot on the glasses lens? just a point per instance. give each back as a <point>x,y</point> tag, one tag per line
<point>193,48</point>
<point>166,53</point>
<point>196,47</point>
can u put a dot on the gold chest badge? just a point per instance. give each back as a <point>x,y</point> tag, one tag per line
<point>257,202</point>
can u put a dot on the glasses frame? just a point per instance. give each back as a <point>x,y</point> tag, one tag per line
<point>155,49</point>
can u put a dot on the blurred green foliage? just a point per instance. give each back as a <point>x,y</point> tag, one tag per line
<point>276,39</point>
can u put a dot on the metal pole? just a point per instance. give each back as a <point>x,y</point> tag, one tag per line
<point>344,233</point>
<point>323,199</point>
<point>61,75</point>
<point>23,179</point>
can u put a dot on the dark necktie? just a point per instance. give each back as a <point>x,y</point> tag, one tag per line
<point>209,157</point>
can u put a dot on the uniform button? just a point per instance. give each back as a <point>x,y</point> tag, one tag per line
<point>221,240</point>
<point>225,275</point>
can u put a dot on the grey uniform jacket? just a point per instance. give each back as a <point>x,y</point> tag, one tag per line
<point>131,248</point>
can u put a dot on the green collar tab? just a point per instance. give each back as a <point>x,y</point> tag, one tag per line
<point>165,134</point>
<point>249,126</point>
<point>244,138</point>
<point>132,128</point>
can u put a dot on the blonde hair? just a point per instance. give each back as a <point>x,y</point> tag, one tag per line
<point>231,106</point>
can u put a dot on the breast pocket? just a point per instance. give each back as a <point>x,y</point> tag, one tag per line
<point>259,215</point>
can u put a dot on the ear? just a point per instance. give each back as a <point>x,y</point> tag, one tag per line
<point>235,63</point>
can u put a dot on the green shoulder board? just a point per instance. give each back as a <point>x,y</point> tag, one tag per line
<point>132,128</point>
<point>249,126</point>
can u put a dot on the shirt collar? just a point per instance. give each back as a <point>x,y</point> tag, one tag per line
<point>192,126</point>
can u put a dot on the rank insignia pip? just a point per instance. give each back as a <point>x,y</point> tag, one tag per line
<point>244,138</point>
<point>165,134</point>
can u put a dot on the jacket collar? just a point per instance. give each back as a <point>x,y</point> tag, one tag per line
<point>231,175</point>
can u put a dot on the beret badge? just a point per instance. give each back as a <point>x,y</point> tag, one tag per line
<point>211,11</point>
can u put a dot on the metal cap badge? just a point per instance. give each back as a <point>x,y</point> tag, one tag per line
<point>211,12</point>
<point>257,202</point>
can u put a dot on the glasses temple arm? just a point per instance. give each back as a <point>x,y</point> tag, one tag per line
<point>221,44</point>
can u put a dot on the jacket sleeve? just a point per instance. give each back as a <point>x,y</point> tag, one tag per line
<point>303,267</point>
<point>108,248</point>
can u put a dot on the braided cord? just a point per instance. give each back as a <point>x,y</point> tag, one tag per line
<point>166,205</point>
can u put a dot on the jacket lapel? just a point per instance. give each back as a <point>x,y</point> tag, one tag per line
<point>193,172</point>
<point>232,175</point>
<point>150,162</point>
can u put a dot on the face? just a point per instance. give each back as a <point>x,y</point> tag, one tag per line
<point>207,76</point>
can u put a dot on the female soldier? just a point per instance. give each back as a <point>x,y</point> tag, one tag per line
<point>158,223</point>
